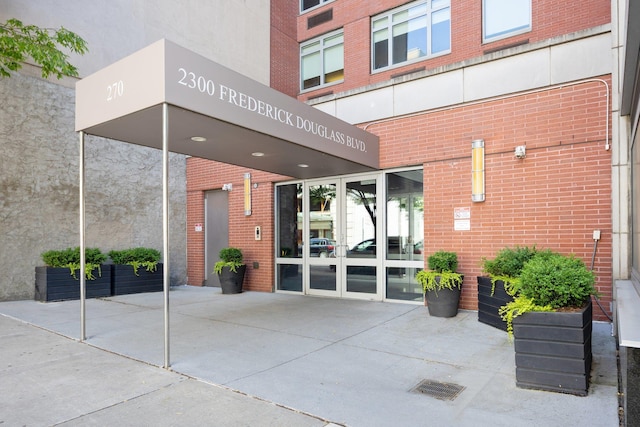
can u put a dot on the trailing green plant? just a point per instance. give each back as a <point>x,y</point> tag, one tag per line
<point>442,272</point>
<point>136,258</point>
<point>518,306</point>
<point>70,258</point>
<point>507,266</point>
<point>229,257</point>
<point>548,282</point>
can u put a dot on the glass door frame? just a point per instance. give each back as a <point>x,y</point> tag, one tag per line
<point>340,260</point>
<point>384,263</point>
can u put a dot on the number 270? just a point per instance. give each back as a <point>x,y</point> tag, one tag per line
<point>115,90</point>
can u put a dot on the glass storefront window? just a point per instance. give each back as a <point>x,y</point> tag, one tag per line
<point>405,210</point>
<point>290,225</point>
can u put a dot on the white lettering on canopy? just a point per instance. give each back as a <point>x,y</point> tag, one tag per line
<point>265,109</point>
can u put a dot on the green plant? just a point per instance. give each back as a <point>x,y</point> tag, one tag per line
<point>70,258</point>
<point>47,47</point>
<point>548,282</point>
<point>137,257</point>
<point>442,272</point>
<point>507,266</point>
<point>229,257</point>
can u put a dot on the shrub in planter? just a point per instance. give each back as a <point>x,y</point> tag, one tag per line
<point>441,284</point>
<point>498,286</point>
<point>550,319</point>
<point>58,279</point>
<point>230,270</point>
<point>129,278</point>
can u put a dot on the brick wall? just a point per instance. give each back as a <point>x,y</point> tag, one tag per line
<point>204,175</point>
<point>549,19</point>
<point>554,198</point>
<point>284,47</point>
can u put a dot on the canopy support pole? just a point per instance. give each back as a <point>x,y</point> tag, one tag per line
<point>83,280</point>
<point>165,228</point>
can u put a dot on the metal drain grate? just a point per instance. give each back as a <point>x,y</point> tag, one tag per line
<point>442,391</point>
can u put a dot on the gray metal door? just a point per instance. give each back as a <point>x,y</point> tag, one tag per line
<point>216,206</point>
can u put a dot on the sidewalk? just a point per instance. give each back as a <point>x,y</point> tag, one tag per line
<point>264,359</point>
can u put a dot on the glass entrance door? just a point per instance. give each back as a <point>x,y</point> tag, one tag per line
<point>341,247</point>
<point>319,246</point>
<point>360,235</point>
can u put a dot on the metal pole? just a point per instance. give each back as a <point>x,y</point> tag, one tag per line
<point>83,281</point>
<point>165,227</point>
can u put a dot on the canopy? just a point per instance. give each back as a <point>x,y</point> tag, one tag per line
<point>217,114</point>
<point>166,97</point>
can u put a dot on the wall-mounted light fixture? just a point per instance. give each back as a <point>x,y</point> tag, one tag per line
<point>247,194</point>
<point>521,151</point>
<point>477,170</point>
<point>227,187</point>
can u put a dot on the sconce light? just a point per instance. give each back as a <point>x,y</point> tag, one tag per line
<point>247,194</point>
<point>477,170</point>
<point>521,151</point>
<point>227,187</point>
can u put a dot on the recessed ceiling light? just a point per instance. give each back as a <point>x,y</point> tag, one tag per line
<point>198,138</point>
<point>302,165</point>
<point>257,154</point>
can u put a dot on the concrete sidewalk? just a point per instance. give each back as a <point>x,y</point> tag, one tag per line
<point>264,359</point>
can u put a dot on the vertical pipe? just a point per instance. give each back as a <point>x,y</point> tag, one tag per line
<point>165,227</point>
<point>83,280</point>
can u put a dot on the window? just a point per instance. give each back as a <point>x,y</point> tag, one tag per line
<point>322,61</point>
<point>505,18</point>
<point>419,30</point>
<point>310,4</point>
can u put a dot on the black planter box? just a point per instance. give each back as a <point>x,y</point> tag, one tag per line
<point>57,284</point>
<point>553,350</point>
<point>231,281</point>
<point>489,304</point>
<point>124,280</point>
<point>443,303</point>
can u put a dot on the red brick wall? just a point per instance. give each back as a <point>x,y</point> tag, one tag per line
<point>204,175</point>
<point>285,54</point>
<point>549,19</point>
<point>554,198</point>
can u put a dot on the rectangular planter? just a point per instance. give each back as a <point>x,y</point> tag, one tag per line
<point>57,284</point>
<point>489,304</point>
<point>553,350</point>
<point>124,280</point>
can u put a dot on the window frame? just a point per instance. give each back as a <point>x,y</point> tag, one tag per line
<point>389,27</point>
<point>320,4</point>
<point>514,31</point>
<point>322,49</point>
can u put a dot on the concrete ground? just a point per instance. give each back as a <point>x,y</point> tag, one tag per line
<point>264,359</point>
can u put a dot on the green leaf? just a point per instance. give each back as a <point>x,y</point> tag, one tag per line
<point>45,46</point>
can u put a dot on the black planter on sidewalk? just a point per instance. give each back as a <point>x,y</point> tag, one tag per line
<point>443,302</point>
<point>125,281</point>
<point>230,281</point>
<point>57,284</point>
<point>490,300</point>
<point>553,350</point>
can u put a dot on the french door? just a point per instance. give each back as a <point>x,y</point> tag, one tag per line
<point>343,230</point>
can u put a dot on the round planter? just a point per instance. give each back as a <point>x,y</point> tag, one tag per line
<point>443,303</point>
<point>231,282</point>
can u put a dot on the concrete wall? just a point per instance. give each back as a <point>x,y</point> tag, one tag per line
<point>232,33</point>
<point>39,173</point>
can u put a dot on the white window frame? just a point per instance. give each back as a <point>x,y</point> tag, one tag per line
<point>322,47</point>
<point>517,28</point>
<point>446,4</point>
<point>320,4</point>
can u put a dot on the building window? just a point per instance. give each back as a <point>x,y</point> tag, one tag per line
<point>310,4</point>
<point>505,18</point>
<point>322,61</point>
<point>418,30</point>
